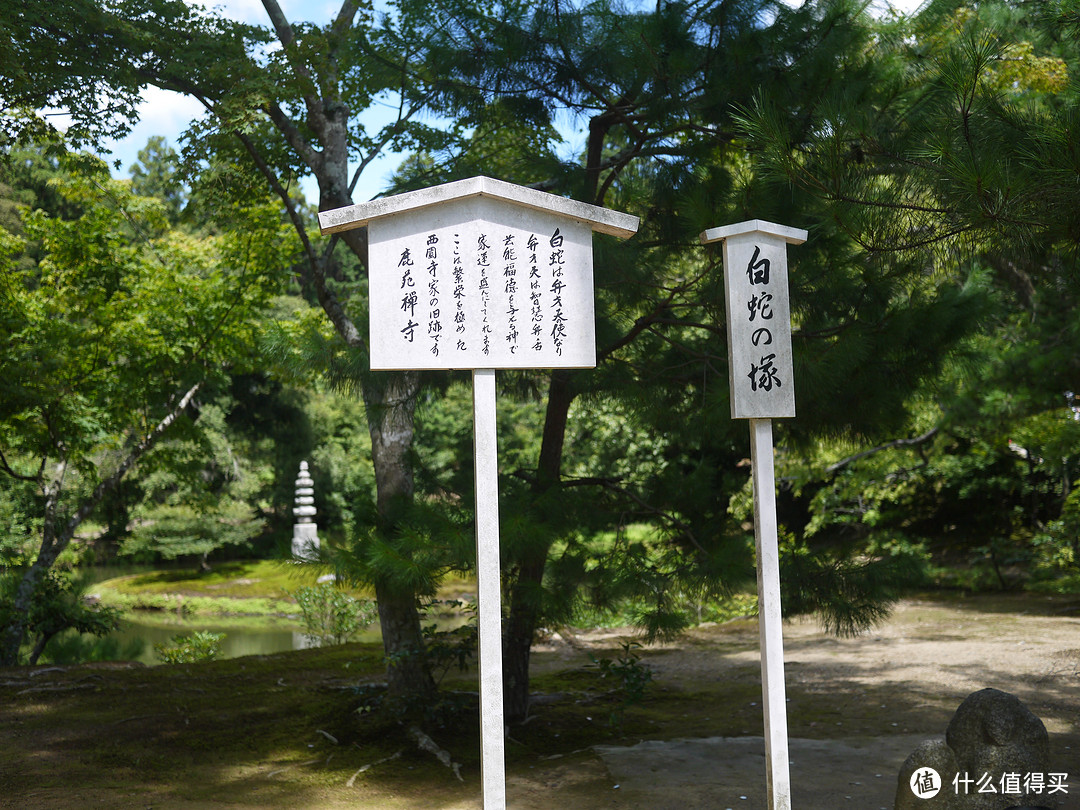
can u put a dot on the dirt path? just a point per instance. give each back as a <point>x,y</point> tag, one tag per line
<point>857,707</point>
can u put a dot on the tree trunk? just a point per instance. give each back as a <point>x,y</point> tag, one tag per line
<point>51,546</point>
<point>53,543</point>
<point>391,404</point>
<point>15,632</point>
<point>526,601</point>
<point>526,592</point>
<point>407,672</point>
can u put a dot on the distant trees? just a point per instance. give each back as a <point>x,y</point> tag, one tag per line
<point>104,345</point>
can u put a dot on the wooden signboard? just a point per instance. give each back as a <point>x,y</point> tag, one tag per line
<point>758,316</point>
<point>762,388</point>
<point>481,274</point>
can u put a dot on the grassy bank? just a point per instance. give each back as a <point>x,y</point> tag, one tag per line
<point>245,587</point>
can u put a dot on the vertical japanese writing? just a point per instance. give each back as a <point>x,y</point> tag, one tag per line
<point>434,313</point>
<point>491,293</point>
<point>537,313</point>
<point>482,248</point>
<point>757,272</point>
<point>510,289</point>
<point>763,374</point>
<point>556,263</point>
<point>410,299</point>
<point>459,296</point>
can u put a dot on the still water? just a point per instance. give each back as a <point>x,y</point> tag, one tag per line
<point>238,641</point>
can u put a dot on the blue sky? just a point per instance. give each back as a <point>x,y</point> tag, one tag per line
<point>168,114</point>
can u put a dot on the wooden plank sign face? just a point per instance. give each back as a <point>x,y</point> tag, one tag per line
<point>759,327</point>
<point>758,317</point>
<point>478,283</point>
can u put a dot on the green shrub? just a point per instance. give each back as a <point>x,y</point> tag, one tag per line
<point>331,616</point>
<point>631,677</point>
<point>77,648</point>
<point>202,645</point>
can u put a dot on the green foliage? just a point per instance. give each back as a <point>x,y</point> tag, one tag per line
<point>107,339</point>
<point>631,677</point>
<point>119,316</point>
<point>198,495</point>
<point>456,648</point>
<point>77,648</point>
<point>20,520</point>
<point>412,555</point>
<point>850,595</point>
<point>157,175</point>
<point>173,530</point>
<point>332,616</point>
<point>191,648</point>
<point>57,605</point>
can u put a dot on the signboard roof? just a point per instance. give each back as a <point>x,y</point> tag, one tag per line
<point>793,236</point>
<point>614,223</point>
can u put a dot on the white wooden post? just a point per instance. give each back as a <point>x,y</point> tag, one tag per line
<point>489,596</point>
<point>770,627</point>
<point>762,387</point>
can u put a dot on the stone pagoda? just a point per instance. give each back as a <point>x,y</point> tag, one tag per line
<point>305,539</point>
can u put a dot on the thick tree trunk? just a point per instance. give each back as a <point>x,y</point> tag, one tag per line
<point>391,405</point>
<point>407,672</point>
<point>526,601</point>
<point>526,592</point>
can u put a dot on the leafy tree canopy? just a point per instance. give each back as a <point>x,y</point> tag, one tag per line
<point>105,342</point>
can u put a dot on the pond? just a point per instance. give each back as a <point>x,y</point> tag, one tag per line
<point>261,639</point>
<point>252,638</point>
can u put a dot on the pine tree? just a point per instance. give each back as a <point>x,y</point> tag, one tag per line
<point>658,90</point>
<point>963,159</point>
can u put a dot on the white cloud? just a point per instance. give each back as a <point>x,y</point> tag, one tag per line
<point>161,112</point>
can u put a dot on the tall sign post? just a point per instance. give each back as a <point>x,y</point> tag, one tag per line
<point>762,388</point>
<point>481,274</point>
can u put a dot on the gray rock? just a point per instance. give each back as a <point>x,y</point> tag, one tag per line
<point>992,734</point>
<point>933,754</point>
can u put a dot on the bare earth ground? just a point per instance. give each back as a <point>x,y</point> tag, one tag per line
<point>878,696</point>
<point>910,674</point>
<point>856,709</point>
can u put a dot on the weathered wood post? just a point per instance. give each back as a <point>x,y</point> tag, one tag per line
<point>762,388</point>
<point>481,274</point>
